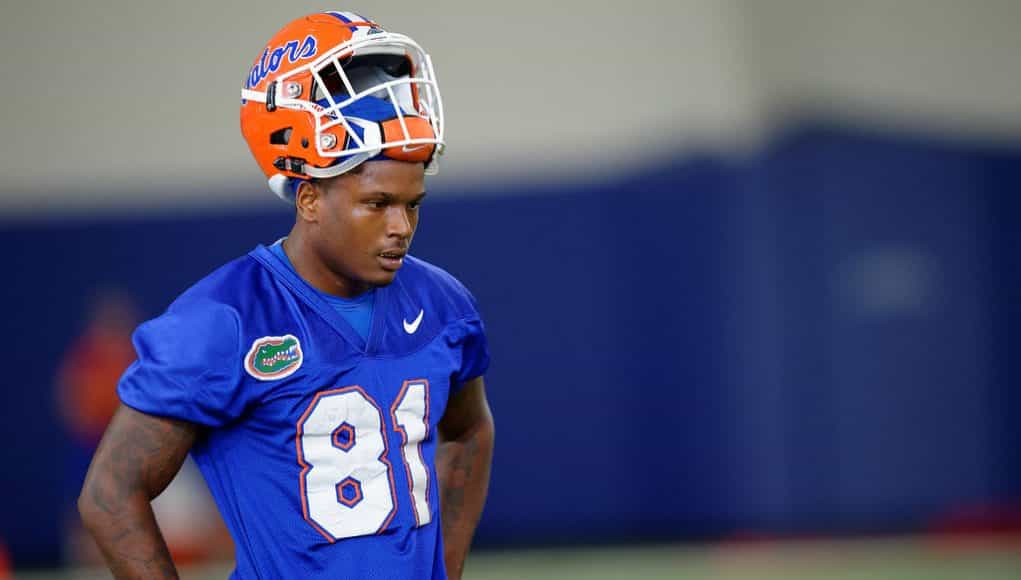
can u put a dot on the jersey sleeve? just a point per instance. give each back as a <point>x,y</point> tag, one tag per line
<point>474,344</point>
<point>474,352</point>
<point>188,366</point>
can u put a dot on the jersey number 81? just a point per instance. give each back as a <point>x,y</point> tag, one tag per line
<point>347,482</point>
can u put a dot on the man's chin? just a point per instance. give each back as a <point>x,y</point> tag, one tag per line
<point>384,278</point>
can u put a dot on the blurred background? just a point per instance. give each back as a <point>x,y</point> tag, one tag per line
<point>749,269</point>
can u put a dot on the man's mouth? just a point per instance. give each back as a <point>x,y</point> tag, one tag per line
<point>392,259</point>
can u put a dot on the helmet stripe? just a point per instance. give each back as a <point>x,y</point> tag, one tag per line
<point>341,16</point>
<point>356,17</point>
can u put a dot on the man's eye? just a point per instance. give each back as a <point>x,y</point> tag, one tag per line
<point>414,205</point>
<point>376,204</point>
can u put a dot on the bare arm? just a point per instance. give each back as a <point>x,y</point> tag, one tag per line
<point>136,460</point>
<point>462,461</point>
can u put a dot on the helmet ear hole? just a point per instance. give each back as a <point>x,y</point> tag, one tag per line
<point>281,136</point>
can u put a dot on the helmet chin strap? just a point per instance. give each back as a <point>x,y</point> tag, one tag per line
<point>284,187</point>
<point>280,185</point>
<point>251,95</point>
<point>339,168</point>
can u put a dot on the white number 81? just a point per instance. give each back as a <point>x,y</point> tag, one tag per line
<point>347,482</point>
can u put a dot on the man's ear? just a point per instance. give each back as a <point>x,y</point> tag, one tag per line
<point>306,201</point>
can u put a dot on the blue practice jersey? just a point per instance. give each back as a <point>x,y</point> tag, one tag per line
<point>321,447</point>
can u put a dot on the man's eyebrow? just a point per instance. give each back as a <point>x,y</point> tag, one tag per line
<point>386,195</point>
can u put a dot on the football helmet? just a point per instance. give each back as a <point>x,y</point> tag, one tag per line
<point>333,90</point>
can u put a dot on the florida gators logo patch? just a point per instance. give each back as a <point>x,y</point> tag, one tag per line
<point>274,357</point>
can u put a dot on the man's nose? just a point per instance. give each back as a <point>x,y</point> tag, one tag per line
<point>398,222</point>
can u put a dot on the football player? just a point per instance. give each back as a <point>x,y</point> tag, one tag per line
<point>329,386</point>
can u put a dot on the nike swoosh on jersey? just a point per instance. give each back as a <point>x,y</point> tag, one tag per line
<point>412,327</point>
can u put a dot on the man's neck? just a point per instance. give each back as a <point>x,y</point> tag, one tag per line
<point>312,269</point>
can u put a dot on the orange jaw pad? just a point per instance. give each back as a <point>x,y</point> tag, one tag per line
<point>418,128</point>
<point>258,130</point>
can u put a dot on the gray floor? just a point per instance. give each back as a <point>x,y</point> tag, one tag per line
<point>878,559</point>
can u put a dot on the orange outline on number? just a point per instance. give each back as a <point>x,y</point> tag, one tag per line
<point>305,467</point>
<point>404,444</point>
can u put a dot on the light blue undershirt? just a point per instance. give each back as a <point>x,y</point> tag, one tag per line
<point>357,311</point>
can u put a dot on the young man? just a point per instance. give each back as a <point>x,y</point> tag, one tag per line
<point>330,386</point>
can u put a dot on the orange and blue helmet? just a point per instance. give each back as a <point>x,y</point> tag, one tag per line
<point>333,90</point>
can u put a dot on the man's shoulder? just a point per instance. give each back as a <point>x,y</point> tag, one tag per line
<point>219,306</point>
<point>225,286</point>
<point>206,319</point>
<point>420,271</point>
<point>424,278</point>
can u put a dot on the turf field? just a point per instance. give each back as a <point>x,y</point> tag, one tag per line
<point>874,559</point>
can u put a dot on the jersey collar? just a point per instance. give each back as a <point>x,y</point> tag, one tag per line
<point>289,278</point>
